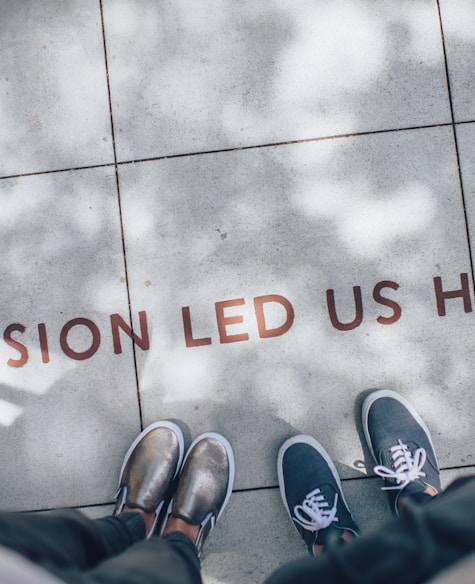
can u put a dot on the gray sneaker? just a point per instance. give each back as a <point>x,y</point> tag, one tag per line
<point>150,465</point>
<point>401,446</point>
<point>205,484</point>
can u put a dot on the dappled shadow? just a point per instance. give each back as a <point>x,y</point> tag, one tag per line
<point>299,220</point>
<point>227,75</point>
<point>54,110</point>
<point>294,220</point>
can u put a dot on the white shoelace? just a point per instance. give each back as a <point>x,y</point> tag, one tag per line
<point>315,512</point>
<point>407,467</point>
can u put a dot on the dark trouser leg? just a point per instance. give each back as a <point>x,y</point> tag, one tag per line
<point>410,549</point>
<point>108,550</point>
<point>169,560</point>
<point>66,540</point>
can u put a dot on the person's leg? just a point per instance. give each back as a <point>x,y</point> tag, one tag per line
<point>418,544</point>
<point>203,490</point>
<point>206,484</point>
<point>148,471</point>
<point>311,491</point>
<point>402,448</point>
<point>79,550</point>
<point>67,539</point>
<point>157,560</point>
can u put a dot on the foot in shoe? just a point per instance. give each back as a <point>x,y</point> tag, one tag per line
<point>148,470</point>
<point>204,488</point>
<point>311,491</point>
<point>402,448</point>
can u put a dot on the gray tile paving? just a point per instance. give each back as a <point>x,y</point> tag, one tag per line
<point>459,34</point>
<point>233,74</point>
<point>54,109</point>
<point>211,233</point>
<point>68,408</point>
<point>296,221</point>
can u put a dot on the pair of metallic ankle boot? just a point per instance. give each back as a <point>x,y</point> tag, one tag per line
<point>157,478</point>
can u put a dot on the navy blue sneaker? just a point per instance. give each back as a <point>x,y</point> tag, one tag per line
<point>401,446</point>
<point>311,492</point>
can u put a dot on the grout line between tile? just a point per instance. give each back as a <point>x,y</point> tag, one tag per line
<point>235,491</point>
<point>89,506</point>
<point>56,171</point>
<point>119,201</point>
<point>454,130</point>
<point>347,479</point>
<point>117,163</point>
<point>285,143</point>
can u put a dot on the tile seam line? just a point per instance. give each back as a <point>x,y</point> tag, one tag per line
<point>235,491</point>
<point>236,149</point>
<point>286,143</point>
<point>346,479</point>
<point>58,170</point>
<point>119,202</point>
<point>457,154</point>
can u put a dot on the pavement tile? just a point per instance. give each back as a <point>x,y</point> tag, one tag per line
<point>54,108</point>
<point>229,74</point>
<point>66,416</point>
<point>458,17</point>
<point>285,225</point>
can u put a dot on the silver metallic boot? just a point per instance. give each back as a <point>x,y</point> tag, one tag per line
<point>205,484</point>
<point>150,465</point>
